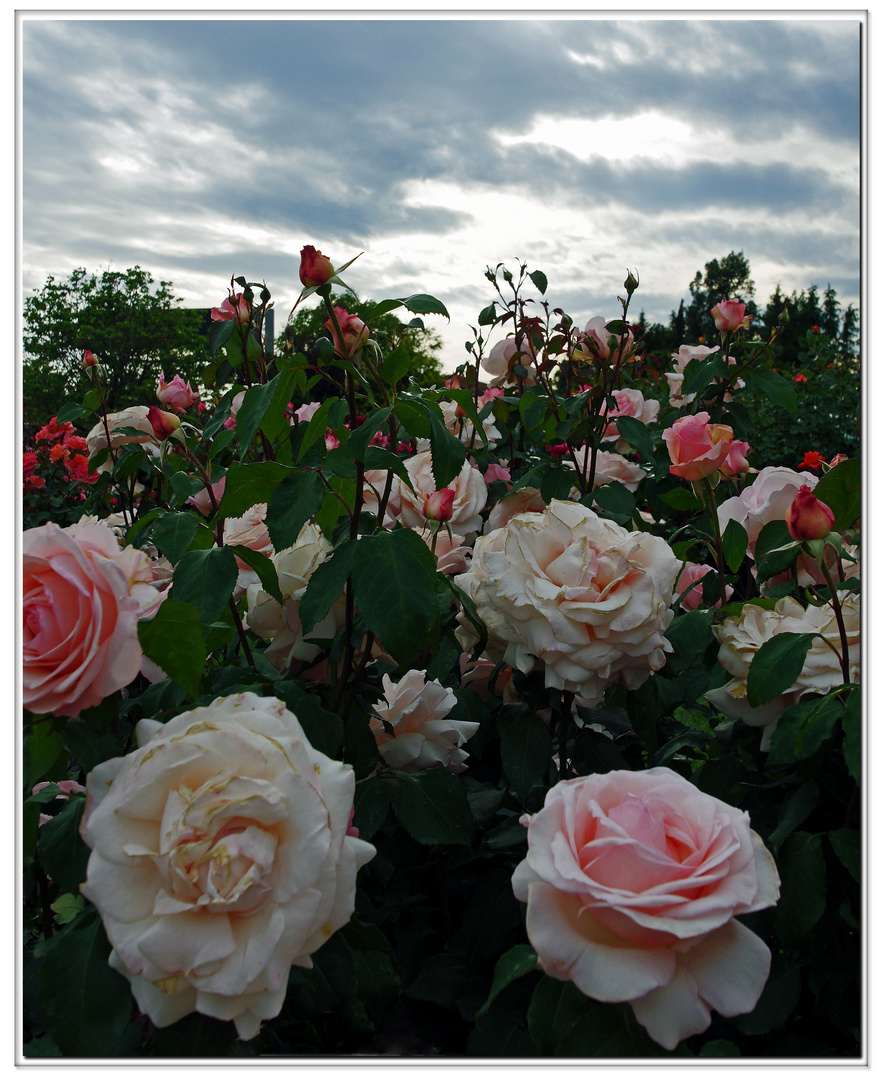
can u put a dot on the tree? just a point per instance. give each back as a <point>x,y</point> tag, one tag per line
<point>133,325</point>
<point>419,344</point>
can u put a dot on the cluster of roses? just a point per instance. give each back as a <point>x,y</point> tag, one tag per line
<point>222,848</point>
<point>59,452</point>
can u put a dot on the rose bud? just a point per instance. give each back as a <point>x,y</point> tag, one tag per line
<point>438,505</point>
<point>808,518</point>
<point>730,315</point>
<point>88,360</point>
<point>315,269</point>
<point>163,423</point>
<point>354,330</point>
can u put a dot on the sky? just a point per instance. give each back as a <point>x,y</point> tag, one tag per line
<point>583,146</point>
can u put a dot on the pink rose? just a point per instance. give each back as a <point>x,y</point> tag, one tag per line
<point>233,307</point>
<point>629,403</point>
<point>730,315</point>
<point>690,582</point>
<point>767,498</point>
<point>497,472</point>
<point>438,505</point>
<point>736,462</point>
<point>83,598</point>
<point>632,881</point>
<point>202,501</point>
<point>470,494</point>
<point>598,338</point>
<point>505,354</point>
<point>354,330</point>
<point>696,447</point>
<point>305,412</point>
<point>315,268</point>
<point>177,394</point>
<point>162,422</point>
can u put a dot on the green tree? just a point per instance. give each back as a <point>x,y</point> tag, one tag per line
<point>133,325</point>
<point>420,345</point>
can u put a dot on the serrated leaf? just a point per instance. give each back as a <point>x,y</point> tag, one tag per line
<point>43,747</point>
<point>263,567</point>
<point>71,411</point>
<point>219,333</point>
<point>773,386</point>
<point>296,499</point>
<point>518,961</point>
<point>851,724</point>
<point>424,304</point>
<point>394,578</point>
<point>432,807</point>
<point>841,490</point>
<point>681,499</point>
<point>525,750</point>
<point>734,541</point>
<point>264,407</point>
<point>846,845</point>
<point>448,453</point>
<point>324,729</point>
<point>372,800</point>
<point>249,484</point>
<point>173,533</point>
<point>803,728</point>
<point>795,811</point>
<point>539,279</point>
<point>357,444</point>
<point>636,434</point>
<point>89,747</point>
<point>206,579</point>
<point>775,550</point>
<point>486,317</point>
<point>803,893</point>
<point>62,853</point>
<point>776,665</point>
<point>173,640</point>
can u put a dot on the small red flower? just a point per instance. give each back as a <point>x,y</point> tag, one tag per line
<point>814,460</point>
<point>801,377</point>
<point>814,329</point>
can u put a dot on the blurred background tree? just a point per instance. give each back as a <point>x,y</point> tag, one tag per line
<point>135,327</point>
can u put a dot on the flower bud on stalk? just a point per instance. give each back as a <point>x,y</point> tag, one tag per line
<point>438,505</point>
<point>730,315</point>
<point>315,269</point>
<point>163,423</point>
<point>89,360</point>
<point>808,518</point>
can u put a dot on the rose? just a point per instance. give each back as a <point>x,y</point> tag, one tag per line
<point>163,423</point>
<point>736,463</point>
<point>629,403</point>
<point>177,394</point>
<point>609,468</point>
<point>353,329</point>
<point>470,495</point>
<point>504,356</point>
<point>767,498</point>
<point>235,406</point>
<point>730,315</point>
<point>808,518</point>
<point>632,881</point>
<point>574,594</point>
<point>202,501</point>
<point>422,734</point>
<point>220,858</point>
<point>134,417</point>
<point>315,268</point>
<point>89,360</point>
<point>598,341</point>
<point>438,505</point>
<point>452,556</point>
<point>696,447</point>
<point>82,600</point>
<point>742,636</point>
<point>234,307</point>
<point>520,501</point>
<point>690,583</point>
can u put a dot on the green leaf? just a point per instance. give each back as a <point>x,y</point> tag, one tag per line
<point>846,845</point>
<point>372,800</point>
<point>487,315</point>
<point>795,811</point>
<point>292,504</point>
<point>86,1004</point>
<point>431,806</point>
<point>689,634</point>
<point>448,452</point>
<point>515,962</point>
<point>264,407</point>
<point>699,374</point>
<point>557,482</point>
<point>424,304</point>
<point>88,747</point>
<point>525,750</point>
<point>206,579</point>
<point>62,853</point>
<point>396,365</point>
<point>174,533</point>
<point>394,578</point>
<point>681,499</point>
<point>539,279</point>
<point>219,333</point>
<point>71,411</point>
<point>262,566</point>
<point>734,542</point>
<point>42,750</point>
<point>616,499</point>
<point>719,1048</point>
<point>325,586</point>
<point>803,893</point>
<point>773,386</point>
<point>775,550</point>
<point>851,724</point>
<point>841,490</point>
<point>556,1007</point>
<point>324,729</point>
<point>317,425</point>
<point>173,640</point>
<point>636,434</point>
<point>465,399</point>
<point>472,614</point>
<point>67,907</point>
<point>357,444</point>
<point>803,728</point>
<point>414,416</point>
<point>250,484</point>
<point>776,666</point>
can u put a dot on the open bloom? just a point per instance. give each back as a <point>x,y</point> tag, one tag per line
<point>767,498</point>
<point>421,733</point>
<point>220,858</point>
<point>574,594</point>
<point>632,881</point>
<point>696,447</point>
<point>629,403</point>
<point>82,600</point>
<point>177,394</point>
<point>468,495</point>
<point>353,329</point>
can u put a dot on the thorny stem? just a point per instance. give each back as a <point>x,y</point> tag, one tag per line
<point>716,528</point>
<point>839,618</point>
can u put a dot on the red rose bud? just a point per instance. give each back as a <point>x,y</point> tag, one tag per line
<point>88,360</point>
<point>808,518</point>
<point>316,269</point>
<point>163,423</point>
<point>438,505</point>
<point>354,330</point>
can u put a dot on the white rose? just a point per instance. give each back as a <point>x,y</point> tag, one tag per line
<point>742,636</point>
<point>515,502</point>
<point>609,468</point>
<point>220,858</point>
<point>422,734</point>
<point>575,593</point>
<point>133,417</point>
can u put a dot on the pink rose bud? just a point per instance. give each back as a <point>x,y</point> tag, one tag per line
<point>163,423</point>
<point>808,518</point>
<point>438,505</point>
<point>177,394</point>
<point>316,269</point>
<point>837,459</point>
<point>353,328</point>
<point>233,307</point>
<point>730,315</point>
<point>88,360</point>
<point>736,464</point>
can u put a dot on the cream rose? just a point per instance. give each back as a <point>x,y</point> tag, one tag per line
<point>220,858</point>
<point>82,599</point>
<point>632,881</point>
<point>741,637</point>
<point>421,734</point>
<point>575,593</point>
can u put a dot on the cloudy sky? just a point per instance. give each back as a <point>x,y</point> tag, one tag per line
<point>201,148</point>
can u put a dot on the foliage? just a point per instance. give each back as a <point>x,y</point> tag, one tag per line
<point>437,959</point>
<point>133,325</point>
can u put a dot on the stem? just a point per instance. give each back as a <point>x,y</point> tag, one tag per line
<point>839,618</point>
<point>244,641</point>
<point>716,528</point>
<point>564,724</point>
